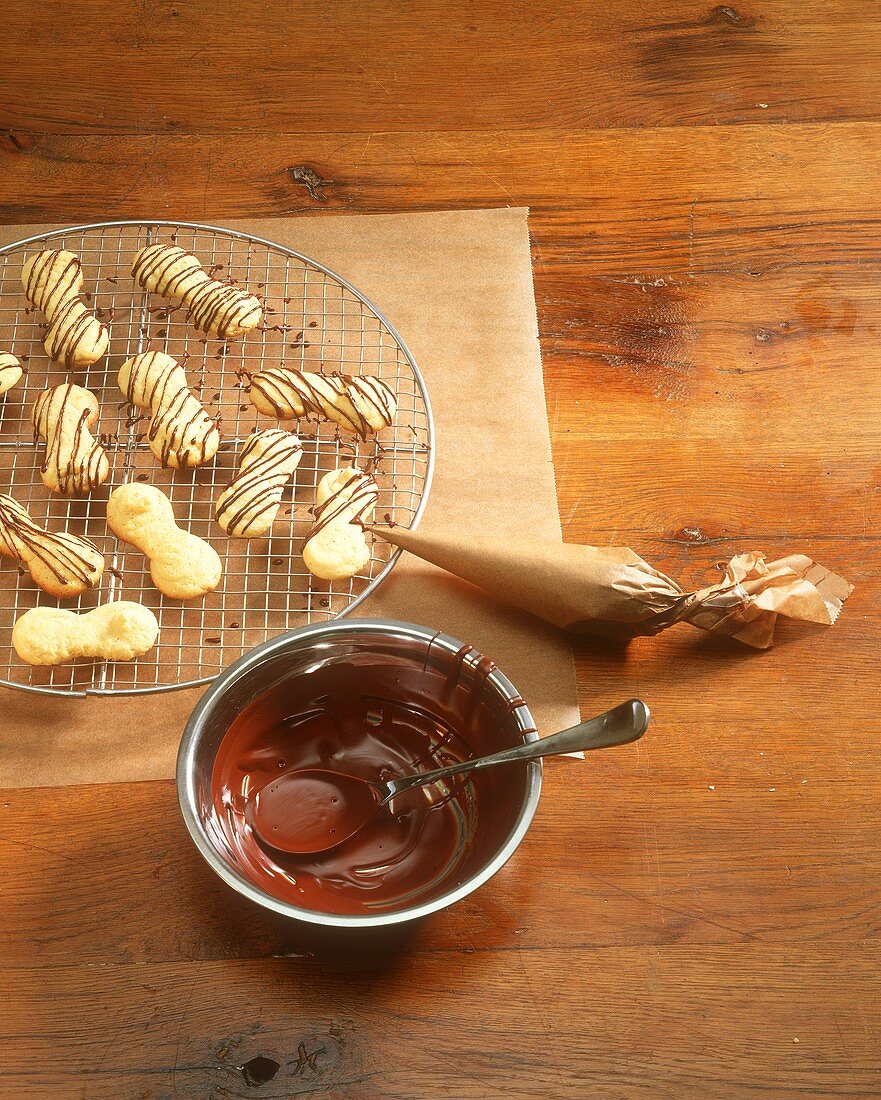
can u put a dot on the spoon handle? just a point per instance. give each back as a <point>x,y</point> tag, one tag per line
<point>618,726</point>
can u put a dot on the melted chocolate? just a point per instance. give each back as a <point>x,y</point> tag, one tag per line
<point>374,718</point>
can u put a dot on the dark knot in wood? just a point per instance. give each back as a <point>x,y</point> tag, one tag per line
<point>306,176</point>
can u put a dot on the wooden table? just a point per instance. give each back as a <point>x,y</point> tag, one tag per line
<point>696,918</point>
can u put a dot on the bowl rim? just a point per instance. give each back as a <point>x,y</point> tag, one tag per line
<point>310,634</point>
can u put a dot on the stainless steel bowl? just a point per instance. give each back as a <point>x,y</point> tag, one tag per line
<point>294,654</point>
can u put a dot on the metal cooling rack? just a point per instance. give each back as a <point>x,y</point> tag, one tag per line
<point>314,320</point>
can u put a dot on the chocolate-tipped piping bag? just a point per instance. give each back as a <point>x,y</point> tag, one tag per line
<point>611,591</point>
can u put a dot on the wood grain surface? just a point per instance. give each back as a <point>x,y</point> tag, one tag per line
<point>698,915</point>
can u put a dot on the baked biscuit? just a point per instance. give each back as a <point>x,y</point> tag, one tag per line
<point>75,462</point>
<point>248,505</point>
<point>115,631</point>
<point>62,564</point>
<point>53,282</point>
<point>182,565</point>
<point>10,371</point>
<point>336,547</point>
<point>362,404</point>
<point>181,433</point>
<point>214,307</point>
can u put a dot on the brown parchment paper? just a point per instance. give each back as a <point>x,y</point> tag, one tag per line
<point>458,287</point>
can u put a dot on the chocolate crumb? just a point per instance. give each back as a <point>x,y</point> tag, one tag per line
<point>142,477</point>
<point>388,519</point>
<point>112,279</point>
<point>25,358</point>
<point>313,324</point>
<point>235,624</point>
<point>213,641</point>
<point>116,572</point>
<point>324,602</point>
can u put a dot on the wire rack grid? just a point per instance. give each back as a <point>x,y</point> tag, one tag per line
<point>314,320</point>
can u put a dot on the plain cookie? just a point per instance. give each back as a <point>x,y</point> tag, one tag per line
<point>62,564</point>
<point>114,631</point>
<point>336,547</point>
<point>214,307</point>
<point>53,282</point>
<point>182,565</point>
<point>181,432</point>
<point>248,505</point>
<point>75,462</point>
<point>362,404</point>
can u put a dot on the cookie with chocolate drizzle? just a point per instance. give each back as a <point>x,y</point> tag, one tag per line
<point>62,564</point>
<point>10,371</point>
<point>75,461</point>
<point>215,308</point>
<point>53,282</point>
<point>362,404</point>
<point>181,432</point>
<point>336,547</point>
<point>248,505</point>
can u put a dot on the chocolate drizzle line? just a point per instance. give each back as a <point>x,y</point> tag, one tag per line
<point>216,308</point>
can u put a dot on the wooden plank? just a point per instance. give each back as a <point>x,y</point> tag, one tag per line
<point>474,1025</point>
<point>616,201</point>
<point>167,66</point>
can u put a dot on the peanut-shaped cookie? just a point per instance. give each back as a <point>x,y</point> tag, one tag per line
<point>362,404</point>
<point>10,371</point>
<point>115,631</point>
<point>336,547</point>
<point>62,564</point>
<point>53,281</point>
<point>182,565</point>
<point>214,307</point>
<point>249,504</point>
<point>75,462</point>
<point>181,432</point>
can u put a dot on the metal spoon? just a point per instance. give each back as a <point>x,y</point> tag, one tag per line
<point>312,810</point>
